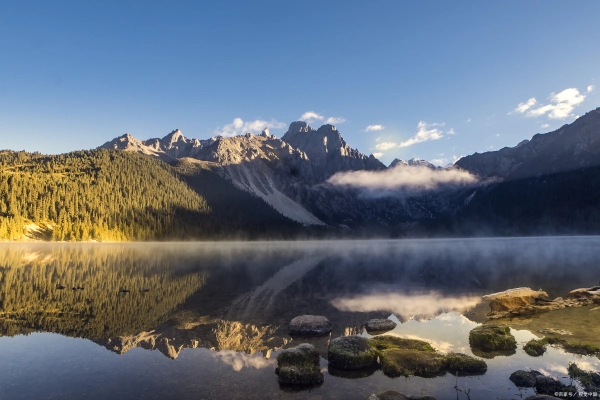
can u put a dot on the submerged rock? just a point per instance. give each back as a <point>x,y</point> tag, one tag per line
<point>393,395</point>
<point>299,366</point>
<point>401,362</point>
<point>309,325</point>
<point>524,378</point>
<point>458,362</point>
<point>351,352</point>
<point>492,337</point>
<point>379,325</point>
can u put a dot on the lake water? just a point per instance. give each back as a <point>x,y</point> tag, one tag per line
<point>207,320</point>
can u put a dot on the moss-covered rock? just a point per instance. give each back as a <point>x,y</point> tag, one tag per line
<point>458,362</point>
<point>387,342</point>
<point>536,348</point>
<point>401,362</point>
<point>351,352</point>
<point>492,337</point>
<point>299,366</point>
<point>524,378</point>
<point>393,395</point>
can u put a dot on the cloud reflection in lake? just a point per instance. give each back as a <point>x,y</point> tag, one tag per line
<point>406,305</point>
<point>238,360</point>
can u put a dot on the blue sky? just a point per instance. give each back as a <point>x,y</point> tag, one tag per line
<point>442,79</point>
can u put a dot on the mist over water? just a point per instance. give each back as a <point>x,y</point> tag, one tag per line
<point>221,309</point>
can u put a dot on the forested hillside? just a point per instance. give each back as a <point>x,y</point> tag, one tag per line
<point>108,195</point>
<point>95,195</point>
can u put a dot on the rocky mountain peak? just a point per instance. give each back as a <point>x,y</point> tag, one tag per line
<point>299,126</point>
<point>174,136</point>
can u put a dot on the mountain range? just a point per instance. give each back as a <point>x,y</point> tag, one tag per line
<point>308,181</point>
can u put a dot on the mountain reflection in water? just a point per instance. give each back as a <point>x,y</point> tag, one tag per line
<point>236,299</point>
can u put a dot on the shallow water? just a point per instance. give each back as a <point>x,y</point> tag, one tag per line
<point>214,315</point>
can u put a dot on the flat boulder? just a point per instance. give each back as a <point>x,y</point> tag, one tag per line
<point>401,362</point>
<point>492,337</point>
<point>515,299</point>
<point>299,366</point>
<point>393,395</point>
<point>351,352</point>
<point>380,325</point>
<point>309,325</point>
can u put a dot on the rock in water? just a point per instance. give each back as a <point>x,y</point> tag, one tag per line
<point>299,366</point>
<point>351,352</point>
<point>458,362</point>
<point>548,385</point>
<point>524,378</point>
<point>309,325</point>
<point>399,362</point>
<point>379,325</point>
<point>393,395</point>
<point>514,299</point>
<point>492,338</point>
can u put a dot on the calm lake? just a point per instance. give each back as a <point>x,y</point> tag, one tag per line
<point>207,320</point>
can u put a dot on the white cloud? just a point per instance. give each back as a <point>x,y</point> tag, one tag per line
<point>377,155</point>
<point>469,120</point>
<point>545,125</point>
<point>591,88</point>
<point>311,116</point>
<point>424,134</point>
<point>239,127</point>
<point>522,107</point>
<point>373,128</point>
<point>402,180</point>
<point>383,146</point>
<point>560,107</point>
<point>335,120</point>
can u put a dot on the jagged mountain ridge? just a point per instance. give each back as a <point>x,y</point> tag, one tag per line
<point>290,174</point>
<point>264,165</point>
<point>571,147</point>
<point>172,146</point>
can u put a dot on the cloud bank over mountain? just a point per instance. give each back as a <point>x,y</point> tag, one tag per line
<point>403,180</point>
